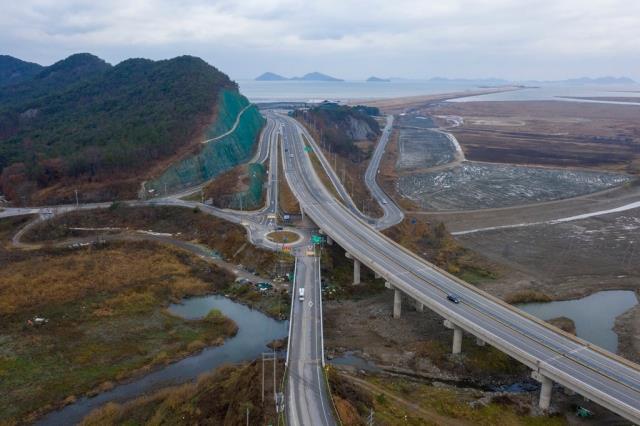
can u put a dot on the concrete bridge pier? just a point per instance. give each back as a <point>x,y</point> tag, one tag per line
<point>397,303</point>
<point>457,337</point>
<point>356,272</point>
<point>419,306</point>
<point>356,268</point>
<point>329,241</point>
<point>546,386</point>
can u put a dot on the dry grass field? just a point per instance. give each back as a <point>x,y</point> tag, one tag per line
<point>106,319</point>
<point>553,133</point>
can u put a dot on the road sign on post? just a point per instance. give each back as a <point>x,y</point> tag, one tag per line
<point>317,239</point>
<point>308,149</point>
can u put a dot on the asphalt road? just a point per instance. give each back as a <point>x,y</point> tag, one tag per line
<point>306,395</point>
<point>577,365</point>
<point>392,213</point>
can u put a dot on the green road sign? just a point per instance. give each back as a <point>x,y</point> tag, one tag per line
<point>308,149</point>
<point>317,239</point>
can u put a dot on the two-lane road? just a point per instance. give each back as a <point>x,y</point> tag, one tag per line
<point>392,213</point>
<point>306,395</point>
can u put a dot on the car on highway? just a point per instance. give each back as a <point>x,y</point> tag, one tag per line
<point>301,294</point>
<point>454,298</point>
<point>384,201</point>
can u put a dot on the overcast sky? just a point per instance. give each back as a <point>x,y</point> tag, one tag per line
<point>513,39</point>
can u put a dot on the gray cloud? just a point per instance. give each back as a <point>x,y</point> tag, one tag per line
<point>516,39</point>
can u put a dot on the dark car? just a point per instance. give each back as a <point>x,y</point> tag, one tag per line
<point>453,298</point>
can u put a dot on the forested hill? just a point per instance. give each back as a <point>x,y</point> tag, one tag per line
<point>84,122</point>
<point>13,70</point>
<point>342,126</point>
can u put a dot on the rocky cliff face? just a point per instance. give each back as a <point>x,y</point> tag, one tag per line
<point>359,129</point>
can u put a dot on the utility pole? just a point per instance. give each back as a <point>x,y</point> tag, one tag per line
<point>77,202</point>
<point>269,356</point>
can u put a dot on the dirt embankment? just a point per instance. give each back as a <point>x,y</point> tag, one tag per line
<point>222,189</point>
<point>416,344</point>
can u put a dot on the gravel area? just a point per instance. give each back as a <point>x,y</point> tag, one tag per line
<point>481,185</point>
<point>423,148</point>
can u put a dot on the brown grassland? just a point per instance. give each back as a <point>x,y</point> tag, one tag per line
<point>221,398</point>
<point>191,225</point>
<point>286,200</point>
<point>106,319</point>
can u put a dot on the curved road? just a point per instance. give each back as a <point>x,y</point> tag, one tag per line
<point>392,213</point>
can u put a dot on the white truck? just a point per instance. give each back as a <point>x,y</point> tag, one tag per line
<point>301,294</point>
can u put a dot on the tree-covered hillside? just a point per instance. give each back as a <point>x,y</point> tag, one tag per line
<point>342,125</point>
<point>13,70</point>
<point>84,121</point>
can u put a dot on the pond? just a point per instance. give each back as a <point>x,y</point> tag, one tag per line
<point>594,316</point>
<point>255,331</point>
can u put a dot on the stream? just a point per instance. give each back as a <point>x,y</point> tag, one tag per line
<point>255,331</point>
<point>594,316</point>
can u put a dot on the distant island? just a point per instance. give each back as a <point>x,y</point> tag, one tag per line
<point>374,79</point>
<point>312,76</point>
<point>270,76</point>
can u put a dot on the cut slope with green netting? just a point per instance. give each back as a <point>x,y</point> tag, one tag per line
<point>219,155</point>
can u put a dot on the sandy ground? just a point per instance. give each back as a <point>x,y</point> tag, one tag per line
<point>397,105</point>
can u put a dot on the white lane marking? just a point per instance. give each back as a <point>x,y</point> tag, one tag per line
<point>623,208</point>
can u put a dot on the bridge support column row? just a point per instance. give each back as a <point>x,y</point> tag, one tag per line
<point>546,386</point>
<point>329,241</point>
